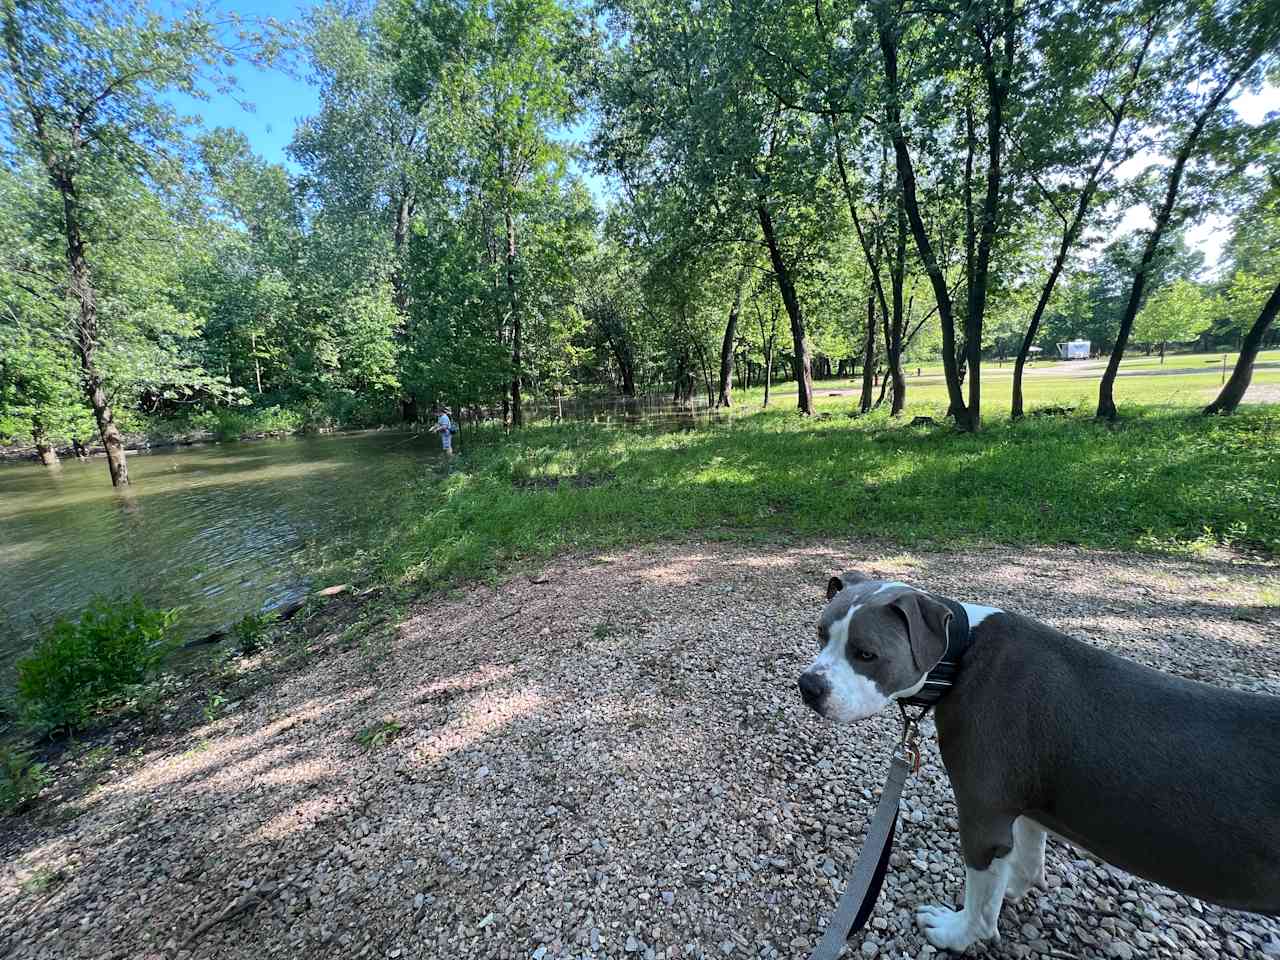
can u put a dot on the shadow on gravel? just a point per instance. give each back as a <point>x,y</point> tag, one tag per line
<point>607,762</point>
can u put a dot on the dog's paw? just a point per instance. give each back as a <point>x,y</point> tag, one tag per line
<point>946,929</point>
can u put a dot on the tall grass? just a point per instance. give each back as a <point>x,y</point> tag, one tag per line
<point>1161,480</point>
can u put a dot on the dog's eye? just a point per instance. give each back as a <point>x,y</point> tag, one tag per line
<point>863,655</point>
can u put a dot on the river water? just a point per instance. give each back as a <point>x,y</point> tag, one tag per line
<point>222,529</point>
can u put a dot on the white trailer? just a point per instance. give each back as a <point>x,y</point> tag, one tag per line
<point>1074,350</point>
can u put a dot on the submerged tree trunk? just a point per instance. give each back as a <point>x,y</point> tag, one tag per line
<point>800,359</point>
<point>868,357</point>
<point>44,449</point>
<point>1234,389</point>
<point>730,335</point>
<point>517,408</point>
<point>86,334</point>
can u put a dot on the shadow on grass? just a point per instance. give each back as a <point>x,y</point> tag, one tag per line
<point>1159,482</point>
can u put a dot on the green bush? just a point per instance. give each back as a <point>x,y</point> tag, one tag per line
<point>227,423</point>
<point>80,663</point>
<point>251,630</point>
<point>20,779</point>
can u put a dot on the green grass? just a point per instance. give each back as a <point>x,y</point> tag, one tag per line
<point>1054,383</point>
<point>1161,479</point>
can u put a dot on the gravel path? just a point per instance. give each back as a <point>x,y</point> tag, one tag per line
<point>607,758</point>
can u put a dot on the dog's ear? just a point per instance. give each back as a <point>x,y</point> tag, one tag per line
<point>927,622</point>
<point>840,581</point>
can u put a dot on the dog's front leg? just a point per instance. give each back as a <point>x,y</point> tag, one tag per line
<point>995,843</point>
<point>983,895</point>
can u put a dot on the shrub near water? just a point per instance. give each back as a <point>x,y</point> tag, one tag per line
<point>80,663</point>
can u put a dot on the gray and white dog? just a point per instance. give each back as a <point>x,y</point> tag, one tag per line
<point>1169,779</point>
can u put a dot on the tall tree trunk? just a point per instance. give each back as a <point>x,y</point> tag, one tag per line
<point>868,357</point>
<point>517,408</point>
<point>1234,389</point>
<point>44,449</point>
<point>1106,388</point>
<point>1072,231</point>
<point>885,30</point>
<point>257,366</point>
<point>800,360</point>
<point>730,335</point>
<point>768,369</point>
<point>400,240</point>
<point>897,280</point>
<point>86,334</point>
<point>998,81</point>
<point>625,367</point>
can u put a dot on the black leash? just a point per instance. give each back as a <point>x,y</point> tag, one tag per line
<point>860,896</point>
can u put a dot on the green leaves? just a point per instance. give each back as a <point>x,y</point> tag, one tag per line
<point>78,664</point>
<point>1176,313</point>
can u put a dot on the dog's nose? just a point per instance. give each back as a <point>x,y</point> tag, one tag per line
<point>813,687</point>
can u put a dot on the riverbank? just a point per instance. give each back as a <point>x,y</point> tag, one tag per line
<point>602,756</point>
<point>1161,481</point>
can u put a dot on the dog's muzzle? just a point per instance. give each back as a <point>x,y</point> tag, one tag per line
<point>814,688</point>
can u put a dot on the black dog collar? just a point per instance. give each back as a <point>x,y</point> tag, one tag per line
<point>940,679</point>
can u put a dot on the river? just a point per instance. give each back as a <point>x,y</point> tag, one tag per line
<point>221,530</point>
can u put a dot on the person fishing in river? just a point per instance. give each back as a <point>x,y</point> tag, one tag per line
<point>446,428</point>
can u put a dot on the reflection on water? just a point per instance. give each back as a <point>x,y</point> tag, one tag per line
<point>218,529</point>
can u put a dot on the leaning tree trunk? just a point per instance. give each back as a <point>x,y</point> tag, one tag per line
<point>800,359</point>
<point>86,337</point>
<point>1234,389</point>
<point>868,357</point>
<point>1106,388</point>
<point>517,408</point>
<point>730,335</point>
<point>1072,230</point>
<point>44,449</point>
<point>888,37</point>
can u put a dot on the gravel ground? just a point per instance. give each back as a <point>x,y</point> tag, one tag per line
<point>606,758</point>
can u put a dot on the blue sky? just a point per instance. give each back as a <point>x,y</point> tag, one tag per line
<point>279,101</point>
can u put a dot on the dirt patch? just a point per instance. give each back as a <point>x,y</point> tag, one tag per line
<point>610,761</point>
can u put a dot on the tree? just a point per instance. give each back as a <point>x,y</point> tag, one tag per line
<point>1218,48</point>
<point>1254,251</point>
<point>1177,313</point>
<point>82,91</point>
<point>1102,81</point>
<point>514,83</point>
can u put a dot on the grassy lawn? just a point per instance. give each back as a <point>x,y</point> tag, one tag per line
<point>1163,479</point>
<point>1057,383</point>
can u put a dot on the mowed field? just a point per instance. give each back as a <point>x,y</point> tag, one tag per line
<point>1190,380</point>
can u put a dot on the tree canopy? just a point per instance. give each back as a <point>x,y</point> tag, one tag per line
<point>504,203</point>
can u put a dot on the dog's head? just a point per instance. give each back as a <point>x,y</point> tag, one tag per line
<point>878,640</point>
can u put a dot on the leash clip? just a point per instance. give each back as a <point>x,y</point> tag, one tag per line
<point>908,748</point>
